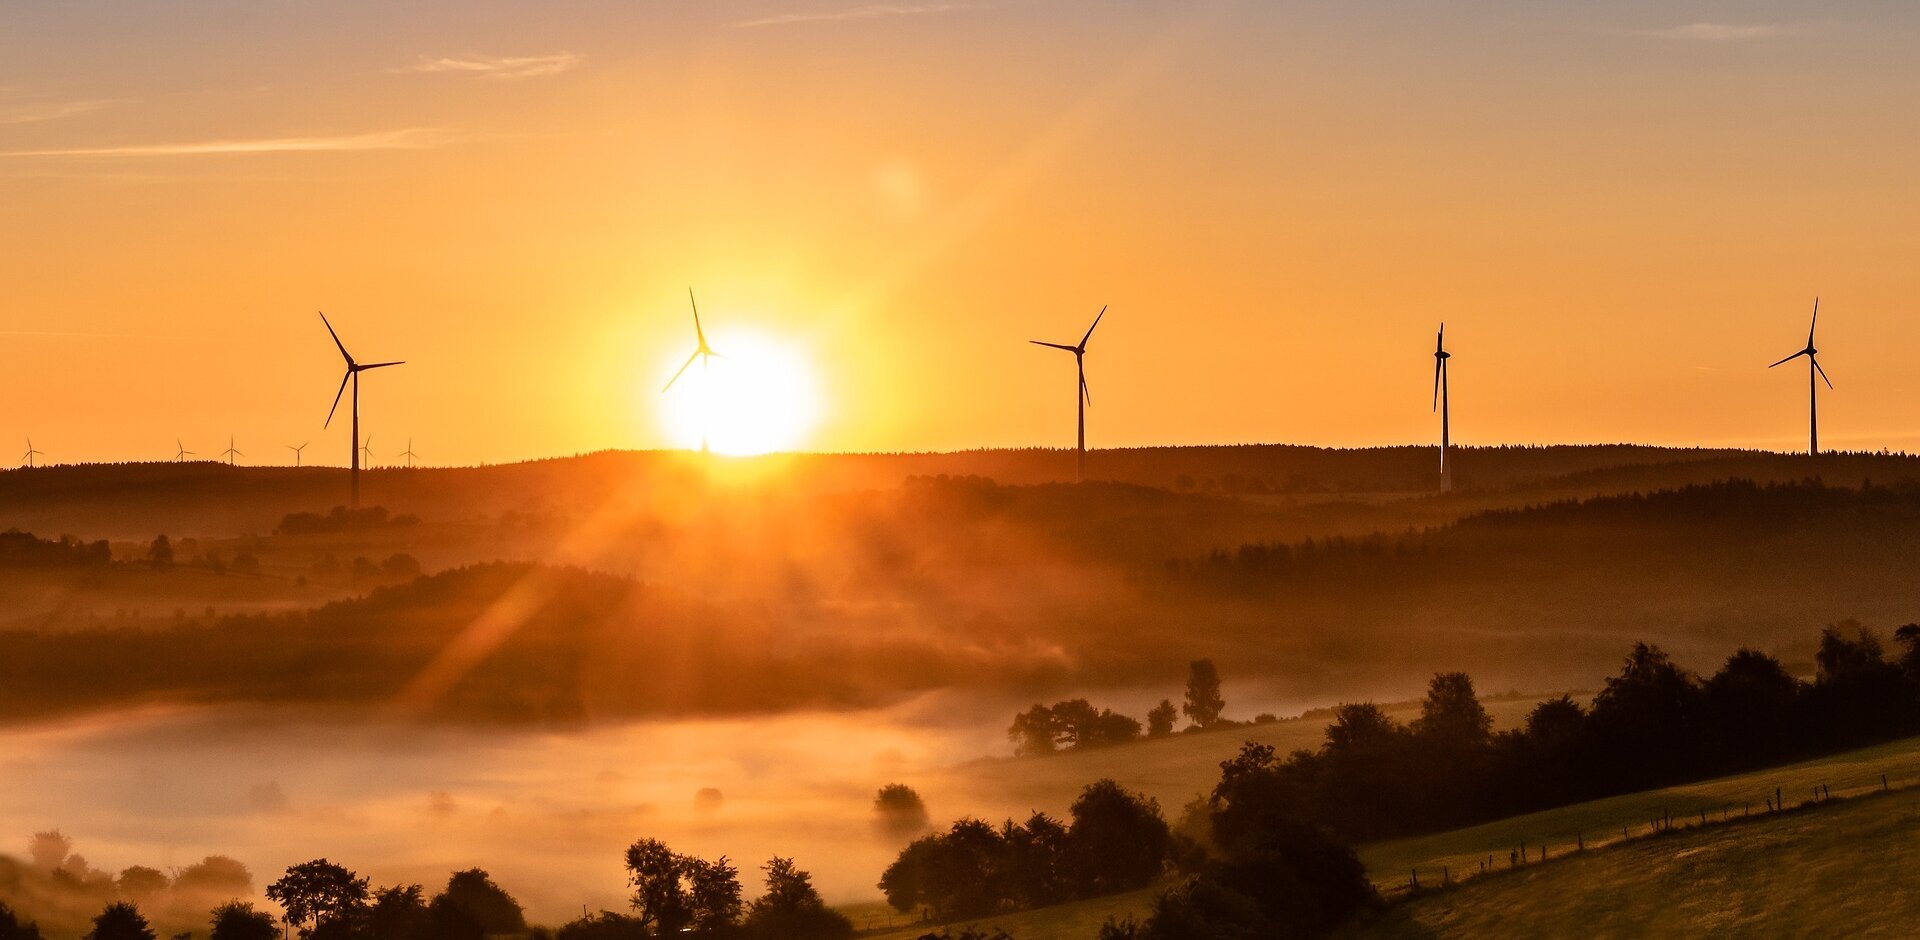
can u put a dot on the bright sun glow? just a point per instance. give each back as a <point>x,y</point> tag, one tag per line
<point>756,395</point>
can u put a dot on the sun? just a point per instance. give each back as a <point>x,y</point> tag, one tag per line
<point>756,395</point>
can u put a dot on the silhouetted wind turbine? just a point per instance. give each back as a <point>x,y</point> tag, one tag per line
<point>183,454</point>
<point>31,453</point>
<point>366,451</point>
<point>1084,398</point>
<point>409,454</point>
<point>702,352</point>
<point>230,453</point>
<point>353,375</point>
<point>1815,375</point>
<point>1440,404</point>
<point>297,448</point>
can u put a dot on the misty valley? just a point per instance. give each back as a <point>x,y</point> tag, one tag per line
<point>537,670</point>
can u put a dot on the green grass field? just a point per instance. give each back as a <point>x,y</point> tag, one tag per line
<point>1843,869</point>
<point>1768,876</point>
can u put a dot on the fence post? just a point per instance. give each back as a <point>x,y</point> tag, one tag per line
<point>1414,880</point>
<point>1623,834</point>
<point>1543,851</point>
<point>1579,842</point>
<point>1776,799</point>
<point>1446,875</point>
<point>1883,783</point>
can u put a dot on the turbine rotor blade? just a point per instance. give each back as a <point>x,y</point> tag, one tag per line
<point>1823,372</point>
<point>381,365</point>
<point>1054,345</point>
<point>1085,395</point>
<point>336,340</point>
<point>1815,323</point>
<point>683,371</point>
<point>1439,365</point>
<point>1789,358</point>
<point>698,333</point>
<point>1096,323</point>
<point>336,398</point>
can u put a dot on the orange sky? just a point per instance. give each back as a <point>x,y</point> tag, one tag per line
<point>1622,210</point>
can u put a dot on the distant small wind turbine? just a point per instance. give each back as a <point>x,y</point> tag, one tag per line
<point>297,448</point>
<point>230,452</point>
<point>702,352</point>
<point>366,451</point>
<point>353,374</point>
<point>1440,404</point>
<point>1084,398</point>
<point>1815,375</point>
<point>31,453</point>
<point>183,454</point>
<point>409,454</point>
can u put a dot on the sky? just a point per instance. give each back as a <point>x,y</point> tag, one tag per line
<point>1622,211</point>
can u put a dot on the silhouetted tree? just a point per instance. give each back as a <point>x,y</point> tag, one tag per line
<point>1034,861</point>
<point>1118,840</point>
<point>1452,714</point>
<point>899,813</point>
<point>1160,719</point>
<point>675,893</point>
<point>473,896</point>
<point>954,873</point>
<point>313,893</point>
<point>1204,704</point>
<point>49,849</point>
<point>792,910</point>
<point>1857,695</point>
<point>120,921</point>
<point>1648,720</point>
<point>1032,731</point>
<point>138,882</point>
<point>160,554</point>
<point>12,928</point>
<point>1753,704</point>
<point>237,920</point>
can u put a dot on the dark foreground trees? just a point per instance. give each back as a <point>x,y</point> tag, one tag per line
<point>1115,841</point>
<point>13,928</point>
<point>684,896</point>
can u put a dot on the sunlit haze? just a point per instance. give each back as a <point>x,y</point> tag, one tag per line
<point>1623,210</point>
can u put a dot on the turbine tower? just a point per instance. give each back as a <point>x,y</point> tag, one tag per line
<point>230,453</point>
<point>1440,357</point>
<point>409,454</point>
<point>1083,399</point>
<point>353,375</point>
<point>297,448</point>
<point>1815,375</point>
<point>702,352</point>
<point>31,453</point>
<point>183,452</point>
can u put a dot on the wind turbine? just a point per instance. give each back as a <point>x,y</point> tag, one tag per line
<point>353,375</point>
<point>1814,375</point>
<point>230,452</point>
<point>31,453</point>
<point>1084,398</point>
<point>409,454</point>
<point>366,451</point>
<point>183,454</point>
<point>1440,404</point>
<point>297,448</point>
<point>702,352</point>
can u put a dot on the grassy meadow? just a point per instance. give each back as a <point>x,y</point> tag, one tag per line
<point>1769,868</point>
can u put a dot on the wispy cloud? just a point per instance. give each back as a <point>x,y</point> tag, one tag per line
<point>857,13</point>
<point>28,112</point>
<point>407,139</point>
<point>1721,32</point>
<point>500,67</point>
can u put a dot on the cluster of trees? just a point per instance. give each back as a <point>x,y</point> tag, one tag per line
<point>1654,724</point>
<point>64,892</point>
<point>342,519</point>
<point>396,567</point>
<point>1114,840</point>
<point>1078,723</point>
<point>327,901</point>
<point>1265,869</point>
<point>677,895</point>
<point>25,550</point>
